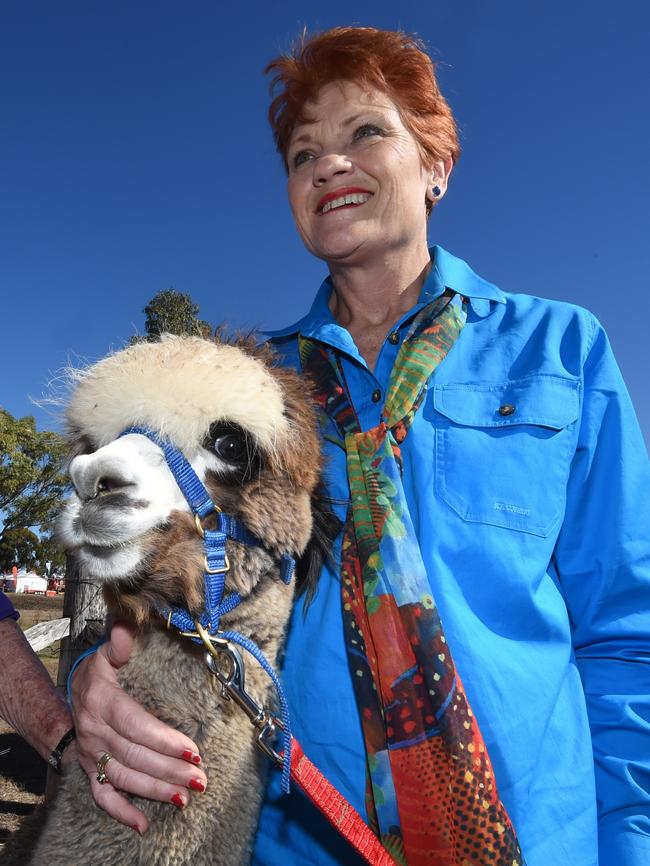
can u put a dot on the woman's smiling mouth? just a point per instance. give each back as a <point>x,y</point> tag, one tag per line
<point>342,198</point>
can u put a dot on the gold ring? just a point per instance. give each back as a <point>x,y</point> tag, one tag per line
<point>102,778</point>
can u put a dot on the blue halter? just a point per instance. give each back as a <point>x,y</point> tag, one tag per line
<point>216,567</point>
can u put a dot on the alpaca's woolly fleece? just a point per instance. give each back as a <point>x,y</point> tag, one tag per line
<point>128,524</point>
<point>162,386</point>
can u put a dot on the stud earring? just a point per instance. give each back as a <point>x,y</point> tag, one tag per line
<point>436,191</point>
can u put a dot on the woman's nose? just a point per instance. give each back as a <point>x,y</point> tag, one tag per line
<point>328,166</point>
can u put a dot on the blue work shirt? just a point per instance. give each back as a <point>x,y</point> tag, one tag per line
<point>534,527</point>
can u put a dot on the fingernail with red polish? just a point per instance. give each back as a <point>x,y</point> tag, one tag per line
<point>177,800</point>
<point>196,785</point>
<point>191,757</point>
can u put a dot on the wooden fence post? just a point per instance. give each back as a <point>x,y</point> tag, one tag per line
<point>84,604</point>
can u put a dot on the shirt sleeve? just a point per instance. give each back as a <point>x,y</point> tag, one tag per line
<point>603,562</point>
<point>7,608</point>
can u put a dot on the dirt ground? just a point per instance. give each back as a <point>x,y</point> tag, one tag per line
<point>22,770</point>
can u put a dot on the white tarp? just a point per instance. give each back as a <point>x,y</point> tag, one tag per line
<point>31,581</point>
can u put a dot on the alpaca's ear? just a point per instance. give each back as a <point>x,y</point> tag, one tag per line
<point>319,548</point>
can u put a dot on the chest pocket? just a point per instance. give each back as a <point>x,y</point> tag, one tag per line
<point>502,451</point>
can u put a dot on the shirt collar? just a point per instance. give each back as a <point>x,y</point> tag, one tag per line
<point>448,272</point>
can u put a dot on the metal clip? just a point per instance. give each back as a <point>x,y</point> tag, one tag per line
<point>270,732</point>
<point>233,688</point>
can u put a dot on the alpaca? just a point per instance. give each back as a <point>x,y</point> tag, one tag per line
<point>247,427</point>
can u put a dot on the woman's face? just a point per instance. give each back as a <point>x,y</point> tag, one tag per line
<point>357,185</point>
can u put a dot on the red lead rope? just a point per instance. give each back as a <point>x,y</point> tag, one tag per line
<point>336,809</point>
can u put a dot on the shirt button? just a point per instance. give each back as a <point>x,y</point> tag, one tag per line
<point>393,338</point>
<point>376,395</point>
<point>506,409</point>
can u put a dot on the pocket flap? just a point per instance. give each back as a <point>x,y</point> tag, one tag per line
<point>543,400</point>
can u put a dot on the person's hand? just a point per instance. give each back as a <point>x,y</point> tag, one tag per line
<point>149,758</point>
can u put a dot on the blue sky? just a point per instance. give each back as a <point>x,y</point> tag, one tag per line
<point>135,155</point>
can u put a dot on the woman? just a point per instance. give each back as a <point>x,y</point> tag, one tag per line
<point>498,534</point>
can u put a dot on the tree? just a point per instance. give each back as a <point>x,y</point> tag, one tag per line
<point>50,552</point>
<point>172,312</point>
<point>32,481</point>
<point>22,547</point>
<point>19,546</point>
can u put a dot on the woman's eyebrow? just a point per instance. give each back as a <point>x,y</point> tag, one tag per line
<point>303,138</point>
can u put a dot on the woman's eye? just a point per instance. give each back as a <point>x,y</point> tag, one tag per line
<point>300,158</point>
<point>366,131</point>
<point>231,447</point>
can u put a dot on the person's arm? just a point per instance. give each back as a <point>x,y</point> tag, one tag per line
<point>603,562</point>
<point>29,700</point>
<point>150,759</point>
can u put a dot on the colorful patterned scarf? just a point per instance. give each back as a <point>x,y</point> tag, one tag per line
<point>431,794</point>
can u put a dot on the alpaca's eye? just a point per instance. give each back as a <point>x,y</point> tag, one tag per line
<point>232,447</point>
<point>231,444</point>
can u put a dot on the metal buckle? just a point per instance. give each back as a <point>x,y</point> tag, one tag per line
<point>223,570</point>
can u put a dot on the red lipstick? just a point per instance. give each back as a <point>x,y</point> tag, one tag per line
<point>337,193</point>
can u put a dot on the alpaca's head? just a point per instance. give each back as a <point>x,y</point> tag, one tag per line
<point>246,426</point>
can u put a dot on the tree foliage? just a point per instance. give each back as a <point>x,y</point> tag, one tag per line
<point>172,312</point>
<point>50,552</point>
<point>19,546</point>
<point>32,480</point>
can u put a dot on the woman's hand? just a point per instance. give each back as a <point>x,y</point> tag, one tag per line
<point>149,758</point>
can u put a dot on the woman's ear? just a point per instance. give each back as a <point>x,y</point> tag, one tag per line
<point>326,526</point>
<point>438,179</point>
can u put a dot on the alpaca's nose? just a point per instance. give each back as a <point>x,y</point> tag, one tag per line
<point>92,477</point>
<point>106,484</point>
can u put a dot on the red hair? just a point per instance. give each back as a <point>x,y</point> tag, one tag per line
<point>389,61</point>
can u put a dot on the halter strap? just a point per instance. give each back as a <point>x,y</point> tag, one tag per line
<point>216,567</point>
